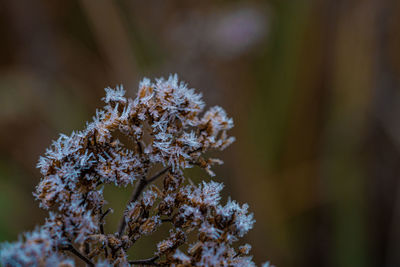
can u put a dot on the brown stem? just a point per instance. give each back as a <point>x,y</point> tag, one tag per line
<point>141,185</point>
<point>87,248</point>
<point>101,222</point>
<point>105,214</point>
<point>140,147</point>
<point>135,195</point>
<point>79,255</point>
<point>150,261</point>
<point>157,175</point>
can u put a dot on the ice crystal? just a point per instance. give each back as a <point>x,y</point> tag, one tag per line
<point>36,248</point>
<point>75,169</point>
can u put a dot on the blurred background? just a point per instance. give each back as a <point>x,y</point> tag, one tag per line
<point>313,87</point>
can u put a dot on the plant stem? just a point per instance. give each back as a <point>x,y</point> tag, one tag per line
<point>141,185</point>
<point>101,221</point>
<point>150,261</point>
<point>79,255</point>
<point>157,175</point>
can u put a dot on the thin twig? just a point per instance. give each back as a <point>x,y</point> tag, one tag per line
<point>141,185</point>
<point>150,261</point>
<point>140,147</point>
<point>79,255</point>
<point>136,193</point>
<point>101,222</point>
<point>87,248</point>
<point>157,175</point>
<point>105,214</point>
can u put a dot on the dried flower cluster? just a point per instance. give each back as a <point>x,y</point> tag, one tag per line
<point>165,128</point>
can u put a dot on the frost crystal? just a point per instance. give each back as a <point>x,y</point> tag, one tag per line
<point>34,249</point>
<point>167,127</point>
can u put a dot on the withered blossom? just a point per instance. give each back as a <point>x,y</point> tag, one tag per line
<point>165,125</point>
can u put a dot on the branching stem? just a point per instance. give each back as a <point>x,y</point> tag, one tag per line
<point>141,185</point>
<point>102,227</point>
<point>79,255</point>
<point>157,175</point>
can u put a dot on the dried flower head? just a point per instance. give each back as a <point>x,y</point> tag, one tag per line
<point>166,127</point>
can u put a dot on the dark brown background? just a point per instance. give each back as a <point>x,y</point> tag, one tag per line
<point>313,86</point>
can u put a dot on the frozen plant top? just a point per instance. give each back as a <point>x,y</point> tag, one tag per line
<point>166,125</point>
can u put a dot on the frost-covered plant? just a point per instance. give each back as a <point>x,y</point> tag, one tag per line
<point>165,127</point>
